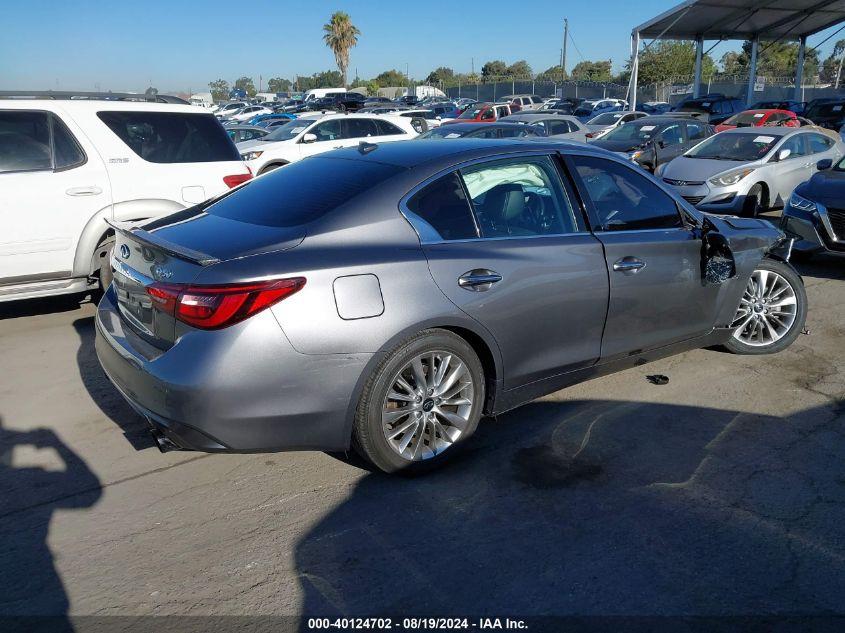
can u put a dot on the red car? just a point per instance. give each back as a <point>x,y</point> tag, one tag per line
<point>759,118</point>
<point>482,113</point>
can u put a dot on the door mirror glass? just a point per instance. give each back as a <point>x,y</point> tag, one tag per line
<point>309,138</point>
<point>717,262</point>
<point>823,164</point>
<point>784,154</point>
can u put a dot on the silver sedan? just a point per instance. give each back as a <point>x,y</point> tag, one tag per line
<point>558,126</point>
<point>746,171</point>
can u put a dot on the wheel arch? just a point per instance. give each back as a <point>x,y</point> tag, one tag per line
<point>481,341</point>
<point>273,163</point>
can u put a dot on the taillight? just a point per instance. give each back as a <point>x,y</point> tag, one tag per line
<point>590,134</point>
<point>237,179</point>
<point>215,307</point>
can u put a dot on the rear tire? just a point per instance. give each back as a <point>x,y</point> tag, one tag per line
<point>421,403</point>
<point>772,310</point>
<point>104,253</point>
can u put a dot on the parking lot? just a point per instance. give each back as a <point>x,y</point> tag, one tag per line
<point>718,494</point>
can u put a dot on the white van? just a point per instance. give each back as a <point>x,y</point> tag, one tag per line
<point>319,93</point>
<point>66,167</point>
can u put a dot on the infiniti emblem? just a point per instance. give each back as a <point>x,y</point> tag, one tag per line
<point>160,272</point>
<point>124,251</point>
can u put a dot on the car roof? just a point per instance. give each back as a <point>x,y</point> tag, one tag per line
<point>538,116</point>
<point>768,131</point>
<point>87,105</point>
<point>500,124</point>
<point>413,153</point>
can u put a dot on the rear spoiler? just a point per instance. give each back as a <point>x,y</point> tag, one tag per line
<point>170,248</point>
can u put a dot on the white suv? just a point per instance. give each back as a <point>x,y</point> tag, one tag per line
<point>66,167</point>
<point>314,134</point>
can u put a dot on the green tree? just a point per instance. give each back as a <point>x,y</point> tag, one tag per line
<point>519,69</point>
<point>832,66</point>
<point>341,35</point>
<point>278,84</point>
<point>592,71</point>
<point>495,68</point>
<point>219,89</point>
<point>554,73</point>
<point>667,59</point>
<point>441,74</point>
<point>774,59</point>
<point>391,78</point>
<point>246,84</point>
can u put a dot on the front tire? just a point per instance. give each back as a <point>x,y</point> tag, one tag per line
<point>103,254</point>
<point>421,404</point>
<point>772,310</point>
<point>754,203</point>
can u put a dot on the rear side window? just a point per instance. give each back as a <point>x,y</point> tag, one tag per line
<point>24,141</point>
<point>444,208</point>
<point>386,128</point>
<point>819,143</point>
<point>36,141</point>
<point>623,199</point>
<point>172,137</point>
<point>301,192</point>
<point>696,131</point>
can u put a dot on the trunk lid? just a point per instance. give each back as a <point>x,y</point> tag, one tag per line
<point>174,250</point>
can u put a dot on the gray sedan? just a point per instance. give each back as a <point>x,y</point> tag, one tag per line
<point>559,126</point>
<point>386,297</point>
<point>748,170</point>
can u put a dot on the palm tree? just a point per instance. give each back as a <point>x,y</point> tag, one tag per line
<point>340,35</point>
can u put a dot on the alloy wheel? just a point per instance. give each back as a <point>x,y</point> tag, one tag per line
<point>767,310</point>
<point>428,405</point>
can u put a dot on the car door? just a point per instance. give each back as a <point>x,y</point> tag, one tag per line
<point>795,168</point>
<point>669,144</point>
<point>504,243</point>
<point>53,181</point>
<point>654,260</point>
<point>696,131</point>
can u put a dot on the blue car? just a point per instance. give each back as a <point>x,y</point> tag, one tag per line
<point>266,117</point>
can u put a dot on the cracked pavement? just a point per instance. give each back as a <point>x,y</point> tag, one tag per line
<point>720,493</point>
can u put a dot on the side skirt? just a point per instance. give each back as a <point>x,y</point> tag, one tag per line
<point>505,401</point>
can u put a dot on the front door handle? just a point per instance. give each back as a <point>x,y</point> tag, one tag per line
<point>479,280</point>
<point>84,191</point>
<point>628,265</point>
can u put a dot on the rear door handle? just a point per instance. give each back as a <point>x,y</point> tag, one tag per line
<point>479,280</point>
<point>628,265</point>
<point>84,191</point>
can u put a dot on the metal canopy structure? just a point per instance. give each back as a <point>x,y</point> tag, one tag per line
<point>701,20</point>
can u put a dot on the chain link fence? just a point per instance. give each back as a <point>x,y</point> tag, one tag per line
<point>672,91</point>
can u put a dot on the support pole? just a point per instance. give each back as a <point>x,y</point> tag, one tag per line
<point>699,54</point>
<point>635,66</point>
<point>799,68</point>
<point>752,70</point>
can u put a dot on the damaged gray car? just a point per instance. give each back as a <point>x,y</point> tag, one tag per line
<point>385,298</point>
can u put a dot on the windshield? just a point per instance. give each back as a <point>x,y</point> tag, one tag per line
<point>746,119</point>
<point>472,112</point>
<point>633,132</point>
<point>734,146</point>
<point>826,110</point>
<point>288,131</point>
<point>608,118</point>
<point>438,133</point>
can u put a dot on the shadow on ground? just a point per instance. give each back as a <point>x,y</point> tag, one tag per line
<point>44,305</point>
<point>29,495</point>
<point>599,508</point>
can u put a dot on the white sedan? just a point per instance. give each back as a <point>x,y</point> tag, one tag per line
<point>314,134</point>
<point>248,112</point>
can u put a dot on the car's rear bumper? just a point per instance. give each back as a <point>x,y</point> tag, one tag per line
<point>242,389</point>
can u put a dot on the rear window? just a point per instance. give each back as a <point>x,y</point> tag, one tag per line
<point>172,137</point>
<point>301,192</point>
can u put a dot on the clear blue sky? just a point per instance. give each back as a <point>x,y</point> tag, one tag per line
<point>180,46</point>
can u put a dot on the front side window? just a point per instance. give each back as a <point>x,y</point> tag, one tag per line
<point>795,145</point>
<point>519,197</point>
<point>444,210</point>
<point>672,135</point>
<point>24,141</point>
<point>171,137</point>
<point>623,199</point>
<point>327,130</point>
<point>557,127</point>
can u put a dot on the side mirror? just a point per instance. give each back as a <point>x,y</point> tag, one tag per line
<point>661,144</point>
<point>309,138</point>
<point>824,163</point>
<point>439,118</point>
<point>784,154</point>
